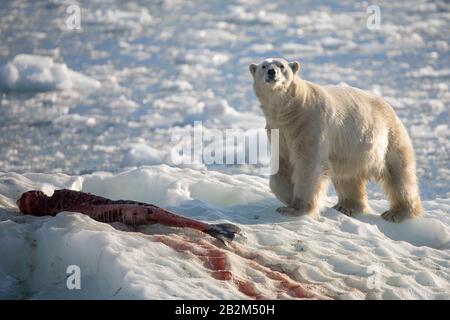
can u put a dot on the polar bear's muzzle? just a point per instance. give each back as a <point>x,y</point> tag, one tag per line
<point>272,76</point>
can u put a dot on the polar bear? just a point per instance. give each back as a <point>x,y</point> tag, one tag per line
<point>341,133</point>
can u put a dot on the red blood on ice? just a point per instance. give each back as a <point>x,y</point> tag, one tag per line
<point>213,259</point>
<point>216,260</point>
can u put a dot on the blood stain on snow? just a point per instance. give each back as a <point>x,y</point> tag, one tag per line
<point>216,260</point>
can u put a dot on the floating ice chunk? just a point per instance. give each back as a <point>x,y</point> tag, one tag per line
<point>221,111</point>
<point>74,120</point>
<point>36,73</point>
<point>305,49</point>
<point>142,154</point>
<point>261,48</point>
<point>124,103</point>
<point>214,36</point>
<point>178,85</point>
<point>429,72</point>
<point>241,15</point>
<point>202,56</point>
<point>122,19</point>
<point>420,132</point>
<point>442,131</point>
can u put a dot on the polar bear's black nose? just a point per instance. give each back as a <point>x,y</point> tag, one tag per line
<point>271,72</point>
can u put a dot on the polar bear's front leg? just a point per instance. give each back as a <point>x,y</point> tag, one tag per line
<point>281,187</point>
<point>309,187</point>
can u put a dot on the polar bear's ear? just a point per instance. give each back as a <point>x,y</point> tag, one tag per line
<point>252,67</point>
<point>295,66</point>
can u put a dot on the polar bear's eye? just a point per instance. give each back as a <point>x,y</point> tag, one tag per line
<point>263,67</point>
<point>281,67</point>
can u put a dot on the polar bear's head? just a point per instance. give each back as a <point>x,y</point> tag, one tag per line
<point>274,73</point>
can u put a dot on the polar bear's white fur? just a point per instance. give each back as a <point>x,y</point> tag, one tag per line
<point>341,133</point>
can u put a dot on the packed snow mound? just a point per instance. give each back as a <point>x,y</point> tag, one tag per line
<point>36,73</point>
<point>335,256</point>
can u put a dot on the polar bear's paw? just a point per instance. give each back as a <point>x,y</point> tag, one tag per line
<point>347,211</point>
<point>291,212</point>
<point>394,216</point>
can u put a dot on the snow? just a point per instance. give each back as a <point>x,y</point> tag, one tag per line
<point>332,256</point>
<point>96,110</point>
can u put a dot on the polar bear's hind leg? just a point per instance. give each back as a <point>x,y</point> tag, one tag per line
<point>400,184</point>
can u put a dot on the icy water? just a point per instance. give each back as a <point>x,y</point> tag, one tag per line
<point>164,64</point>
